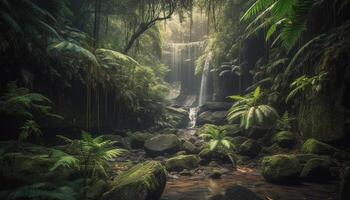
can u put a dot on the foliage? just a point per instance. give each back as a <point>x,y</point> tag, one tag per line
<point>289,17</point>
<point>285,122</point>
<point>218,141</point>
<point>304,83</point>
<point>22,105</point>
<point>88,155</point>
<point>251,111</point>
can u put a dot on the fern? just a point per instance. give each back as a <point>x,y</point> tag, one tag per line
<point>251,112</point>
<point>91,155</point>
<point>304,83</point>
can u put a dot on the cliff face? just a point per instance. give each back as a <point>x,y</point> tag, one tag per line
<point>322,115</point>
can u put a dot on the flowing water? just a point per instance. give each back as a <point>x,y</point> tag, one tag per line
<point>193,117</point>
<point>198,187</point>
<point>203,94</point>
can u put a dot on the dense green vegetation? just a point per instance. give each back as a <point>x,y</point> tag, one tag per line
<point>88,111</point>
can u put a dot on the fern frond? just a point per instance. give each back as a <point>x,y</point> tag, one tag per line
<point>257,7</point>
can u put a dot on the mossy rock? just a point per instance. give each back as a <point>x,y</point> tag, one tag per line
<point>281,168</point>
<point>216,117</point>
<point>316,147</point>
<point>177,117</point>
<point>208,155</point>
<point>204,129</point>
<point>189,147</point>
<point>317,170</point>
<point>161,144</point>
<point>137,139</point>
<point>182,162</point>
<point>285,139</point>
<point>249,148</point>
<point>145,181</point>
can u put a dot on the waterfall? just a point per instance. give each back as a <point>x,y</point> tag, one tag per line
<point>203,94</point>
<point>182,57</point>
<point>193,117</point>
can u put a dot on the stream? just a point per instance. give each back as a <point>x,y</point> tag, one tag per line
<point>199,186</point>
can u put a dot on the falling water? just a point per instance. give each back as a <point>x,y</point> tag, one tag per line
<point>182,56</point>
<point>203,94</point>
<point>193,117</point>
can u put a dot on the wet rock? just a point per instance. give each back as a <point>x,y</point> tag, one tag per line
<point>345,185</point>
<point>285,139</point>
<point>182,162</point>
<point>317,147</point>
<point>161,144</point>
<point>143,181</point>
<point>177,117</point>
<point>189,147</point>
<point>237,193</point>
<point>216,117</point>
<point>281,168</point>
<point>249,148</point>
<point>317,170</point>
<point>214,106</point>
<point>137,139</point>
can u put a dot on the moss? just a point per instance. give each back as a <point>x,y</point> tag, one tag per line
<point>281,168</point>
<point>137,139</point>
<point>284,139</point>
<point>182,162</point>
<point>317,147</point>
<point>143,181</point>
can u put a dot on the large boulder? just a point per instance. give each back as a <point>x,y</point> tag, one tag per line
<point>145,181</point>
<point>285,139</point>
<point>317,170</point>
<point>137,139</point>
<point>161,144</point>
<point>281,168</point>
<point>214,106</point>
<point>182,162</point>
<point>237,193</point>
<point>249,148</point>
<point>177,117</point>
<point>345,185</point>
<point>316,147</point>
<point>216,117</point>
